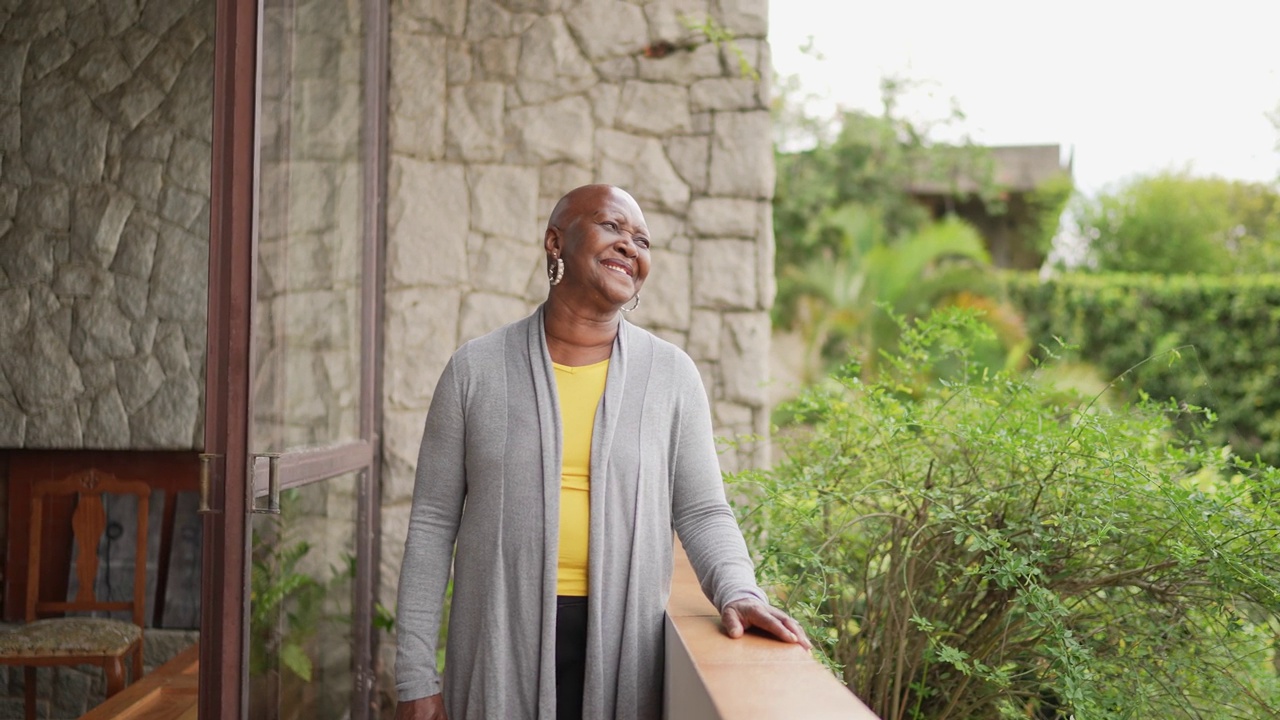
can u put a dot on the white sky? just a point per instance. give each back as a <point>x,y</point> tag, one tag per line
<point>1133,86</point>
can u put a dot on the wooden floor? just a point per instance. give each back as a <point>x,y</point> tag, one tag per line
<point>167,693</point>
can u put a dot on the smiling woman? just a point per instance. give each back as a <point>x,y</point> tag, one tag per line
<point>579,417</point>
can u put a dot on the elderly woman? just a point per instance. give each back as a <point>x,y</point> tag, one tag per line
<point>559,453</point>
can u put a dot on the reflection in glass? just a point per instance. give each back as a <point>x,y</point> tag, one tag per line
<point>301,609</point>
<point>307,316</point>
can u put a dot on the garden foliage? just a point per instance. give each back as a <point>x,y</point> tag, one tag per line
<point>1215,342</point>
<point>968,544</point>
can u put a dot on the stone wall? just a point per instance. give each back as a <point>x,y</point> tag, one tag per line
<point>498,108</point>
<point>105,125</point>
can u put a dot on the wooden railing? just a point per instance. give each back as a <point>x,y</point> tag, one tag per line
<point>712,677</point>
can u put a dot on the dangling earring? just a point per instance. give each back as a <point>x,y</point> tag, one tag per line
<point>555,273</point>
<point>633,307</point>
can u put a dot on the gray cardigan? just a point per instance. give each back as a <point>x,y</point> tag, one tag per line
<point>488,478</point>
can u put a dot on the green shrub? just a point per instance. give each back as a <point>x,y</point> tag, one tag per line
<point>987,547</point>
<point>1225,331</point>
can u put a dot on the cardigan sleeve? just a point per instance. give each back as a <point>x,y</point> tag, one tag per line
<point>438,494</point>
<point>702,517</point>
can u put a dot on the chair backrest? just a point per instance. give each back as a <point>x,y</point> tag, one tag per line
<point>88,523</point>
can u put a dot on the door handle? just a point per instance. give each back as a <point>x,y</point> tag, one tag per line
<point>273,485</point>
<point>206,483</point>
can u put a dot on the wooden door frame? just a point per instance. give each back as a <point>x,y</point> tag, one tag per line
<point>228,372</point>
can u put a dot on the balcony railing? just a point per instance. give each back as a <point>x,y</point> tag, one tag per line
<point>711,677</point>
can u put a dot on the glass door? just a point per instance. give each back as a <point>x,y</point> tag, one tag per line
<point>294,303</point>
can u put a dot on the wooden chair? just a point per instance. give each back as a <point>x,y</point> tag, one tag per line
<point>80,640</point>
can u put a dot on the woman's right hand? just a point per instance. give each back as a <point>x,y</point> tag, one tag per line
<point>430,707</point>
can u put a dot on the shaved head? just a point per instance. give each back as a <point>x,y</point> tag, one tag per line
<point>578,201</point>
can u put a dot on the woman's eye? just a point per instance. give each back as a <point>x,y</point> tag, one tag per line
<point>611,225</point>
<point>642,241</point>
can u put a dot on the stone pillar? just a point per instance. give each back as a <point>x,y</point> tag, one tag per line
<point>497,108</point>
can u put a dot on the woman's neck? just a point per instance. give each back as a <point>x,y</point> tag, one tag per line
<point>575,338</point>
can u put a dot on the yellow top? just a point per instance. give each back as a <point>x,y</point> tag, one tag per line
<point>580,389</point>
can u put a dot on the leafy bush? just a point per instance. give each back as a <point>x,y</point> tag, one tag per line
<point>989,547</point>
<point>1226,330</point>
<point>1175,223</point>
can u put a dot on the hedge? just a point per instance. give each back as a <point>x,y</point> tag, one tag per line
<point>1208,341</point>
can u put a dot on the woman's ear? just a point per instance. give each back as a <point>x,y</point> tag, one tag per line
<point>551,241</point>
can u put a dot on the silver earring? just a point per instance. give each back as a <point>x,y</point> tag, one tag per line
<point>633,307</point>
<point>555,273</point>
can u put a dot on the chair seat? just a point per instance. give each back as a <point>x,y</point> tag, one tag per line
<point>69,636</point>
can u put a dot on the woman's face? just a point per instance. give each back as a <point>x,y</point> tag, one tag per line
<point>605,248</point>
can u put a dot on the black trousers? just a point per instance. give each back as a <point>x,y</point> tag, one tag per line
<point>571,655</point>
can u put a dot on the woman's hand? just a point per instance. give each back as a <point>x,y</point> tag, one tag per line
<point>739,615</point>
<point>430,707</point>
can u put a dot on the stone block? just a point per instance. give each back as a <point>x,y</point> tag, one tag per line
<point>618,69</point>
<point>118,14</point>
<point>106,237</point>
<point>102,67</point>
<point>46,55</point>
<point>667,231</point>
<point>502,265</point>
<point>170,348</point>
<point>683,67</point>
<point>656,108</point>
<point>70,140</point>
<point>704,335</point>
<point>57,426</point>
<point>556,179</point>
<point>415,99</point>
<point>640,165</point>
<point>551,64</point>
<point>107,426</point>
<point>13,62</point>
<point>168,420</point>
<point>135,101</point>
<point>443,16</point>
<point>189,160</point>
<point>157,18</point>
<point>744,18</point>
<point>475,131</point>
<point>100,322</point>
<point>458,61</point>
<point>724,274</point>
<point>76,280</point>
<point>487,19</point>
<point>421,329</point>
<point>742,155</point>
<point>401,441</point>
<point>144,180</point>
<point>17,305</point>
<point>179,279</point>
<point>689,156</point>
<point>557,131</point>
<point>744,360</point>
<point>136,249</point>
<point>730,414</point>
<point>607,28</point>
<point>765,254</point>
<point>45,205</point>
<point>724,217</point>
<point>13,434</point>
<point>498,58</point>
<point>483,312</point>
<point>725,94</point>
<point>666,295</point>
<point>135,43</point>
<point>604,103</point>
<point>40,369</point>
<point>10,140</point>
<point>427,220</point>
<point>504,201</point>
